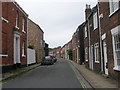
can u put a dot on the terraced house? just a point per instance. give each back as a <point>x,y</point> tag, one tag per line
<point>109,13</point>
<point>92,39</point>
<point>14,36</point>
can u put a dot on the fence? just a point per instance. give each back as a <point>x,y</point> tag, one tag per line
<point>31,56</point>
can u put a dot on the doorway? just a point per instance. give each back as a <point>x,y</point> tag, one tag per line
<point>105,57</point>
<point>16,48</point>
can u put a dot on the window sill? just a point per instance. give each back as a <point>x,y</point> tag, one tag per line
<point>117,68</point>
<point>97,61</point>
<point>86,60</point>
<point>23,31</point>
<point>17,27</point>
<point>3,55</point>
<point>23,56</point>
<point>4,19</point>
<point>111,14</point>
<point>95,28</point>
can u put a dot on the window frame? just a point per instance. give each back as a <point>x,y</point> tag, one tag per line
<point>115,32</point>
<point>17,19</point>
<point>86,54</point>
<point>112,8</point>
<point>23,49</point>
<point>96,47</point>
<point>85,36</point>
<point>23,24</point>
<point>95,20</point>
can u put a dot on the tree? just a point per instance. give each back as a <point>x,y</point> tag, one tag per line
<point>69,52</point>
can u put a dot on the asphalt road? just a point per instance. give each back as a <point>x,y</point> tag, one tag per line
<point>59,75</point>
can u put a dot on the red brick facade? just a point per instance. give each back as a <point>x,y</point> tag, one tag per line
<point>9,11</point>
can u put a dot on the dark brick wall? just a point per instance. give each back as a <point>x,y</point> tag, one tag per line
<point>107,23</point>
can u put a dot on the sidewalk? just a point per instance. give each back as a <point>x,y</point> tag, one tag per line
<point>96,80</point>
<point>17,72</point>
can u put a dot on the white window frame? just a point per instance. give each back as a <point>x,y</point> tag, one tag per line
<point>23,49</point>
<point>96,46</point>
<point>85,32</point>
<point>95,20</point>
<point>16,19</point>
<point>86,54</point>
<point>114,6</point>
<point>23,24</point>
<point>115,31</point>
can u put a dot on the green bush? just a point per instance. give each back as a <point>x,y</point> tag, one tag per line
<point>31,46</point>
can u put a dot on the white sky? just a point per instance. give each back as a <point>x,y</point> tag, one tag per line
<point>59,19</point>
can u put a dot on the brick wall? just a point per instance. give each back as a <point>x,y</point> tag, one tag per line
<point>107,23</point>
<point>9,10</point>
<point>35,37</point>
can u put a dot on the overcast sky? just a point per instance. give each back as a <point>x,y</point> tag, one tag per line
<point>58,19</point>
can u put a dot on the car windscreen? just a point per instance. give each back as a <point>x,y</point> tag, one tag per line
<point>48,57</point>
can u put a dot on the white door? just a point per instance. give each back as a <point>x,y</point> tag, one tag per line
<point>16,48</point>
<point>105,58</point>
<point>92,56</point>
<point>77,55</point>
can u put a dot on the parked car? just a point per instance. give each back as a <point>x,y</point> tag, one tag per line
<point>47,60</point>
<point>54,58</point>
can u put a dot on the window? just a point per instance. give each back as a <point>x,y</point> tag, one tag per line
<point>114,5</point>
<point>116,47</point>
<point>17,19</point>
<point>23,49</point>
<point>23,24</point>
<point>85,31</point>
<point>86,54</point>
<point>95,21</point>
<point>97,58</point>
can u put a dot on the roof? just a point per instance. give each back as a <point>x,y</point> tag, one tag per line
<point>18,6</point>
<point>36,24</point>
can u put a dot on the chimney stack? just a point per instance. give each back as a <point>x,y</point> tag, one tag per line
<point>87,6</point>
<point>88,10</point>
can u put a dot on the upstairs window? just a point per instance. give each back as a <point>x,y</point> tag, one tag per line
<point>17,19</point>
<point>114,5</point>
<point>85,31</point>
<point>23,24</point>
<point>95,21</point>
<point>23,49</point>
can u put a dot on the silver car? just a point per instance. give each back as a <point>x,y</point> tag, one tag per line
<point>47,60</point>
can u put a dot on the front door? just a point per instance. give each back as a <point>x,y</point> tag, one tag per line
<point>92,56</point>
<point>105,57</point>
<point>16,48</point>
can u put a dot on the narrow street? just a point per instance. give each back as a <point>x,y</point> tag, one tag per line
<point>59,75</point>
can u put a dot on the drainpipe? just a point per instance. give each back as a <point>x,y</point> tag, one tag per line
<point>89,46</point>
<point>27,41</point>
<point>100,40</point>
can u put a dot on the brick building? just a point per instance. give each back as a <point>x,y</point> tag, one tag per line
<point>109,13</point>
<point>56,52</point>
<point>92,39</point>
<point>36,39</point>
<point>80,42</point>
<point>74,45</point>
<point>14,36</point>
